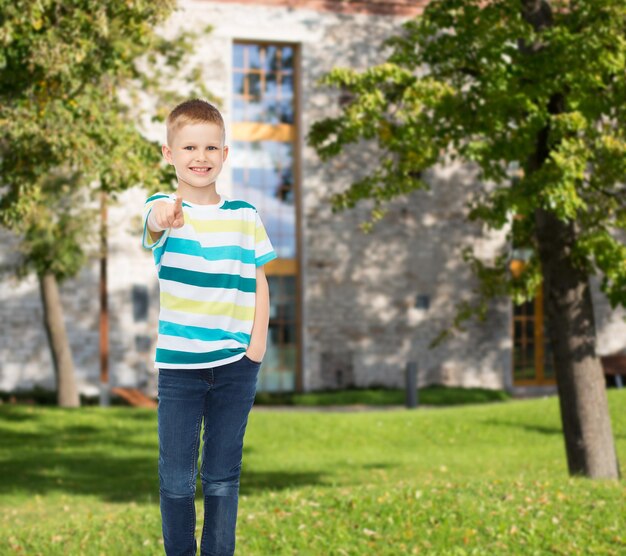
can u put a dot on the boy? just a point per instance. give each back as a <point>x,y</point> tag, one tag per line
<point>209,253</point>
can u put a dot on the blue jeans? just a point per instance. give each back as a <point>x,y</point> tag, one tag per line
<point>223,396</point>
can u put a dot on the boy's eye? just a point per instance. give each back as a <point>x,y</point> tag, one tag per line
<point>189,148</point>
<point>212,148</point>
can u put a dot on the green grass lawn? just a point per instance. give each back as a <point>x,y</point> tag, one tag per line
<point>431,395</point>
<point>481,479</point>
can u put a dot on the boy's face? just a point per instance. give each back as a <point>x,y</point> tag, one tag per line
<point>198,153</point>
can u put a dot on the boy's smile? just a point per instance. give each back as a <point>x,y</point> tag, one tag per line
<point>198,153</point>
<point>200,171</point>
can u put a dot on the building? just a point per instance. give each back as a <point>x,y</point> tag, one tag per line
<point>347,309</point>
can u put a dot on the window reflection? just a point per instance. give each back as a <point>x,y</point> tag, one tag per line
<point>263,174</point>
<point>525,317</point>
<point>280,358</point>
<point>524,363</point>
<point>263,84</point>
<point>262,160</point>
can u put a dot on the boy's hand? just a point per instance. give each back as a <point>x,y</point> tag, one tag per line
<point>255,353</point>
<point>169,215</point>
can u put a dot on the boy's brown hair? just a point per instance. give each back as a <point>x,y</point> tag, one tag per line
<point>193,112</point>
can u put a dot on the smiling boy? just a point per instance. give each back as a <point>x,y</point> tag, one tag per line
<point>209,252</point>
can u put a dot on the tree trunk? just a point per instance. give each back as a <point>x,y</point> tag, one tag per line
<point>580,380</point>
<point>582,396</point>
<point>57,338</point>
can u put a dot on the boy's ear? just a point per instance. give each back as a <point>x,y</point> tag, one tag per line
<point>225,153</point>
<point>167,153</point>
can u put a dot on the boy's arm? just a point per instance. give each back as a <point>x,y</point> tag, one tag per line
<point>155,235</point>
<point>258,338</point>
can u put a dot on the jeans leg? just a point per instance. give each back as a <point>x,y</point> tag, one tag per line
<point>225,418</point>
<point>181,402</point>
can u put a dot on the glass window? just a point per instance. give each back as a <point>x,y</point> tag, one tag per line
<point>238,56</point>
<point>269,56</point>
<point>253,58</point>
<point>238,85</point>
<point>286,86</point>
<point>286,59</point>
<point>532,353</point>
<point>262,159</point>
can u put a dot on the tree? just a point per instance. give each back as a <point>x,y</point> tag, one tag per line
<point>532,93</point>
<point>72,76</point>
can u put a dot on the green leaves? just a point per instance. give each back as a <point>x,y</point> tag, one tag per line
<point>73,79</point>
<point>474,81</point>
<point>609,256</point>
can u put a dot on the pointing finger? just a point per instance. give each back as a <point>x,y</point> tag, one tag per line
<point>177,217</point>
<point>178,207</point>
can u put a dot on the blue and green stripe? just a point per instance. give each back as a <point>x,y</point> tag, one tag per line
<point>171,356</point>
<point>199,333</point>
<point>207,280</point>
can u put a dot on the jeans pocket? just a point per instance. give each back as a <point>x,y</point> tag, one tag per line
<point>252,360</point>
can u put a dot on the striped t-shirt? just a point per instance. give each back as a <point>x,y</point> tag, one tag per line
<point>207,281</point>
